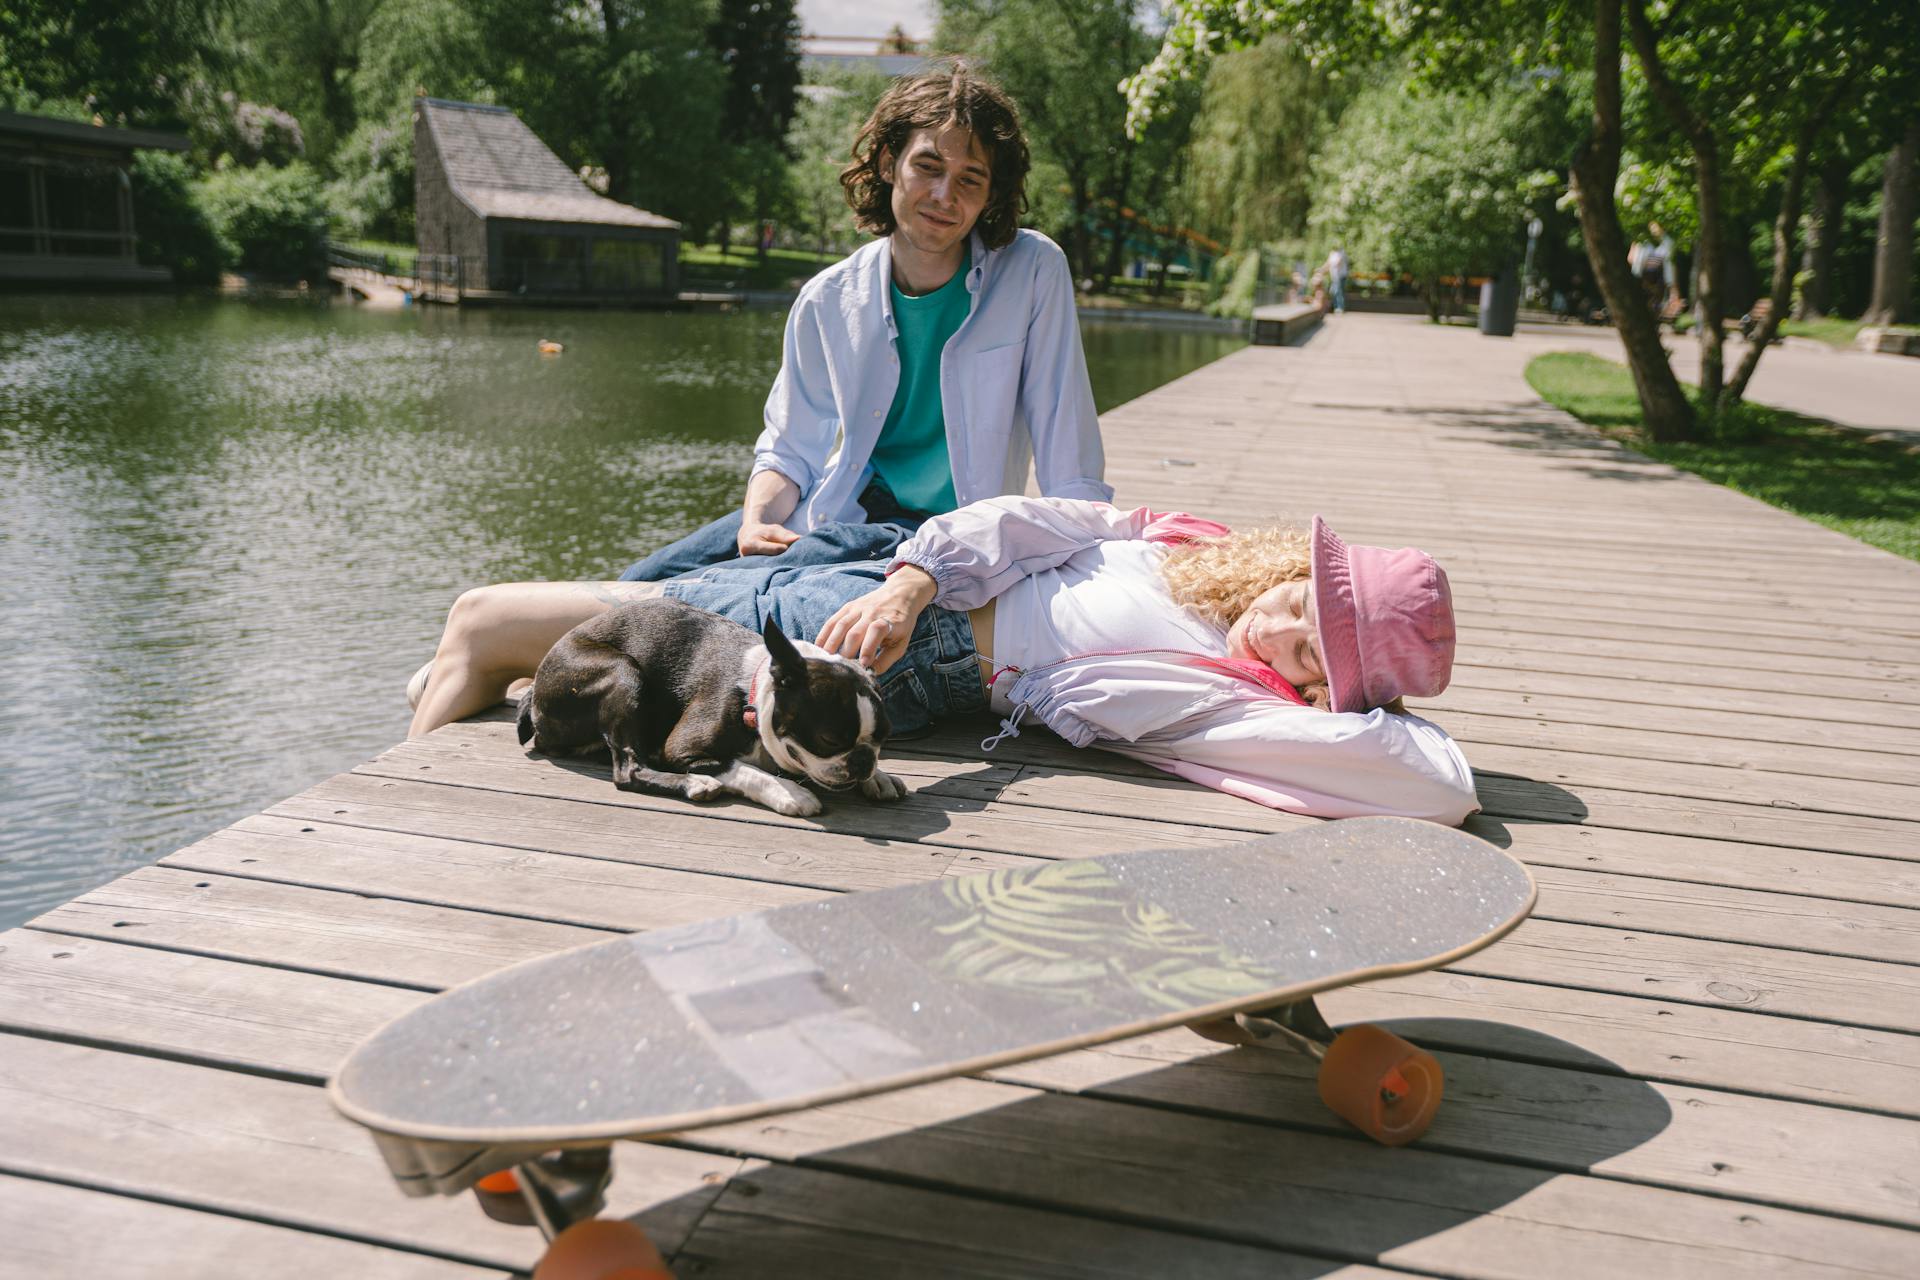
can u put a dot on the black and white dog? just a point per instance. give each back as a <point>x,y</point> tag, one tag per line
<point>693,705</point>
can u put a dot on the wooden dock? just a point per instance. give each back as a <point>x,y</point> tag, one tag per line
<point>1696,717</point>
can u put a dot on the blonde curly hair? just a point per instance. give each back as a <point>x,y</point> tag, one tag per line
<point>1219,577</point>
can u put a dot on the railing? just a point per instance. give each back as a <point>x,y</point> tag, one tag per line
<point>385,264</point>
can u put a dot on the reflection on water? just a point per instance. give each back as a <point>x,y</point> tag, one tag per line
<point>230,531</point>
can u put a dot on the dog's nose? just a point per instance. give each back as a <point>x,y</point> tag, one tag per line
<point>860,763</point>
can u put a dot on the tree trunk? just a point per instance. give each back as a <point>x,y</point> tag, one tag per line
<point>1782,291</point>
<point>1893,247</point>
<point>1596,166</point>
<point>1823,234</point>
<point>1709,256</point>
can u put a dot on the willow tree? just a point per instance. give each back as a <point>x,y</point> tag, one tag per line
<point>1455,43</point>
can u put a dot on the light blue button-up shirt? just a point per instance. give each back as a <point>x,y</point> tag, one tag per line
<point>1013,383</point>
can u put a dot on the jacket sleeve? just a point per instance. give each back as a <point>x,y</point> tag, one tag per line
<point>802,418</point>
<point>1055,392</point>
<point>1326,764</point>
<point>985,547</point>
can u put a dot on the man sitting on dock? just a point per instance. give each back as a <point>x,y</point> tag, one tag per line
<point>925,370</point>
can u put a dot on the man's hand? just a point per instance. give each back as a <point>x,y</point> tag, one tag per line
<point>875,628</point>
<point>765,539</point>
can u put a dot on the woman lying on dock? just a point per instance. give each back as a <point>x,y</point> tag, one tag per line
<point>1268,664</point>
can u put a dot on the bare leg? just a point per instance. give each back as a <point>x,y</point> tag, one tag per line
<point>496,635</point>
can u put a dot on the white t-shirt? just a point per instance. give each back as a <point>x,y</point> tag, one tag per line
<point>1104,597</point>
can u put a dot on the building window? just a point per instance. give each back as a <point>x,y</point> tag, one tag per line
<point>543,263</point>
<point>628,266</point>
<point>16,208</point>
<point>83,211</point>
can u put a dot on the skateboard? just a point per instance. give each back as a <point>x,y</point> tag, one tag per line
<point>518,1082</point>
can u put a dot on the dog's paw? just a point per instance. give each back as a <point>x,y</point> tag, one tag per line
<point>703,786</point>
<point>792,799</point>
<point>883,786</point>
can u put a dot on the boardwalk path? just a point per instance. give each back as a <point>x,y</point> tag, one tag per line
<point>1696,717</point>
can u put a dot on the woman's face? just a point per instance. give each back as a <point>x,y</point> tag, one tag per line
<point>1279,629</point>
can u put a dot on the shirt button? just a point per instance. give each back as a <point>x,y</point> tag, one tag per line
<point>876,413</point>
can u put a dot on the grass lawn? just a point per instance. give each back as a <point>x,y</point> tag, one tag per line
<point>1867,489</point>
<point>1831,330</point>
<point>741,266</point>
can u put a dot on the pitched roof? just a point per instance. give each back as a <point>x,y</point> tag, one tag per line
<point>500,169</point>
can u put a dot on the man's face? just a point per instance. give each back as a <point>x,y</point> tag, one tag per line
<point>941,182</point>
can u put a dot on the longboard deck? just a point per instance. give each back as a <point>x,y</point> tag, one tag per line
<point>751,1015</point>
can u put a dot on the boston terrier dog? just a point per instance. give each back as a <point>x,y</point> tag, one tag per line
<point>690,704</point>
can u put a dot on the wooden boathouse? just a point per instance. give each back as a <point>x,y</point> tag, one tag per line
<point>66,203</point>
<point>499,217</point>
<point>1697,718</point>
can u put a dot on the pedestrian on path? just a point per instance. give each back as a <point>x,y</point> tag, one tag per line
<point>1336,269</point>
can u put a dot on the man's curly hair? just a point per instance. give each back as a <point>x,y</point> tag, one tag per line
<point>945,94</point>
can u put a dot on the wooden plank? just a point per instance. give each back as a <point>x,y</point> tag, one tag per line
<point>1347,1198</point>
<point>676,834</point>
<point>777,1220</point>
<point>191,1008</point>
<point>1501,1087</point>
<point>1806,706</point>
<point>1716,1046</point>
<point>925,817</point>
<point>1572,714</point>
<point>1823,1159</point>
<point>275,1151</point>
<point>345,935</point>
<point>55,1232</point>
<point>591,892</point>
<point>1472,730</point>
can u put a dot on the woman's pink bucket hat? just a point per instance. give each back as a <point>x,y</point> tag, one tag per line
<point>1386,621</point>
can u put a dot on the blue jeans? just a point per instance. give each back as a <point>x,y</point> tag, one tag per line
<point>938,677</point>
<point>888,524</point>
<point>1338,289</point>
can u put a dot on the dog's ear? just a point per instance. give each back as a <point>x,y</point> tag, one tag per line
<point>788,666</point>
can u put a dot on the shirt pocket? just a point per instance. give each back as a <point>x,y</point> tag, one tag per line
<point>991,383</point>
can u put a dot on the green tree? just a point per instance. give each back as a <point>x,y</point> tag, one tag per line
<point>301,55</point>
<point>758,42</point>
<point>1764,81</point>
<point>122,60</point>
<point>821,143</point>
<point>1062,64</point>
<point>434,48</point>
<point>1460,43</point>
<point>269,220</point>
<point>1433,184</point>
<point>1263,113</point>
<point>633,86</point>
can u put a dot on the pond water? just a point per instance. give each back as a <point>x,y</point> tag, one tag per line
<point>229,531</point>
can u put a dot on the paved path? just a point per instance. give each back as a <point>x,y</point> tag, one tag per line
<point>1872,392</point>
<point>1696,717</point>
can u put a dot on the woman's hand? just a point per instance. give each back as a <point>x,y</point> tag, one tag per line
<point>875,628</point>
<point>765,539</point>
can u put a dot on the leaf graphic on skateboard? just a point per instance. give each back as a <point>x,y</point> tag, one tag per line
<point>1063,931</point>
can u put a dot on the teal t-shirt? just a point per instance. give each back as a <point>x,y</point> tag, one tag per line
<point>911,457</point>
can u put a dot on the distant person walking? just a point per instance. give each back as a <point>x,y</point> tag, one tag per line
<point>1651,261</point>
<point>1337,279</point>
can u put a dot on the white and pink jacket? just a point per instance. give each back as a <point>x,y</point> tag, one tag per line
<point>1191,710</point>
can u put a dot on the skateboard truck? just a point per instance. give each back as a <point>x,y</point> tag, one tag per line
<point>1377,1082</point>
<point>551,1191</point>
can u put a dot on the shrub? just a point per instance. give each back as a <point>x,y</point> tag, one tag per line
<point>371,194</point>
<point>270,221</point>
<point>174,232</point>
<point>1236,299</point>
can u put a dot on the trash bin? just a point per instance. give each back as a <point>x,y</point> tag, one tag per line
<point>1500,304</point>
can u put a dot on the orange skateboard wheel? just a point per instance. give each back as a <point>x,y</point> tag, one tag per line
<point>503,1183</point>
<point>602,1249</point>
<point>1381,1085</point>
